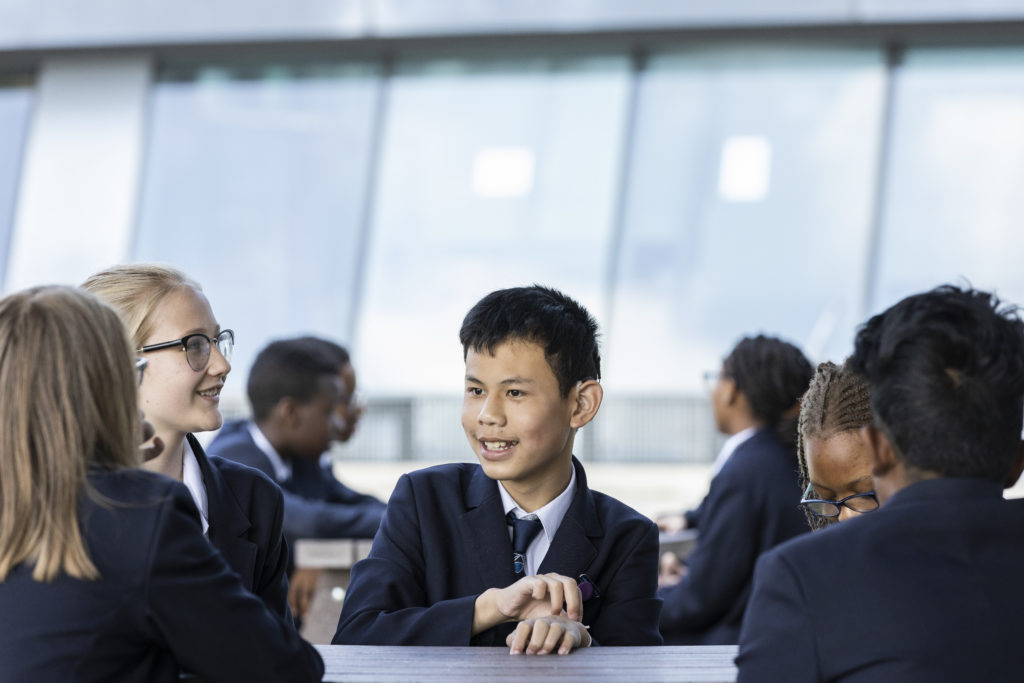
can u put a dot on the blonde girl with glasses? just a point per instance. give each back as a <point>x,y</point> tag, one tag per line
<point>104,573</point>
<point>172,325</point>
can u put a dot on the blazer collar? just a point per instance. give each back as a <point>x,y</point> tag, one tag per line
<point>573,548</point>
<point>483,527</point>
<point>227,517</point>
<point>228,520</point>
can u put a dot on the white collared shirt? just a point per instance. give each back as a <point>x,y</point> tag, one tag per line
<point>550,517</point>
<point>192,477</point>
<point>730,445</point>
<point>282,469</point>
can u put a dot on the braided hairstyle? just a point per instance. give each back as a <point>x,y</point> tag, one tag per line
<point>838,400</point>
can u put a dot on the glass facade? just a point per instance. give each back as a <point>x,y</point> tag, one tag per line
<point>953,199</point>
<point>16,97</point>
<point>701,195</point>
<point>254,185</point>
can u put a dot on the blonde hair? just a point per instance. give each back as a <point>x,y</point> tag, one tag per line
<point>67,368</point>
<point>135,290</point>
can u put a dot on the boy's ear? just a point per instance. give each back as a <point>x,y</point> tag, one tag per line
<point>732,391</point>
<point>286,412</point>
<point>588,395</point>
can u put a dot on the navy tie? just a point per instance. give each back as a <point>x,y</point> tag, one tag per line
<point>523,532</point>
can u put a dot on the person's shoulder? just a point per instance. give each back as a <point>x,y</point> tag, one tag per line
<point>613,510</point>
<point>134,486</point>
<point>613,513</point>
<point>233,437</point>
<point>838,540</point>
<point>242,478</point>
<point>448,473</point>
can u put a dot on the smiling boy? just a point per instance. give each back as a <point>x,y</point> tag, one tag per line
<point>516,550</point>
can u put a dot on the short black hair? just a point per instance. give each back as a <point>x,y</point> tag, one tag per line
<point>773,374</point>
<point>544,316</point>
<point>338,352</point>
<point>946,370</point>
<point>289,368</point>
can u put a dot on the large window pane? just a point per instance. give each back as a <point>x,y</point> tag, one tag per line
<point>255,182</point>
<point>492,175</point>
<point>15,110</point>
<point>954,195</point>
<point>748,209</point>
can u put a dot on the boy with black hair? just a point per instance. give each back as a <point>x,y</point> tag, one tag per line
<point>467,551</point>
<point>295,392</point>
<point>929,587</point>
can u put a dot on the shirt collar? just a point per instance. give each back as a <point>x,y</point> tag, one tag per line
<point>550,515</point>
<point>282,469</point>
<point>730,445</point>
<point>192,477</point>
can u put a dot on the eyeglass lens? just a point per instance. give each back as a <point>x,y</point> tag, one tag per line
<point>827,508</point>
<point>197,349</point>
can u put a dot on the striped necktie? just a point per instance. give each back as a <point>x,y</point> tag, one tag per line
<point>524,530</point>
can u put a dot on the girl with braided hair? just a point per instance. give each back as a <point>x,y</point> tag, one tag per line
<point>834,469</point>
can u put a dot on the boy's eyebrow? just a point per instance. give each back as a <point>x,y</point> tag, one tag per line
<point>510,380</point>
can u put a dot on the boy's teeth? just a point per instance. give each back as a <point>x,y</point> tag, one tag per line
<point>497,445</point>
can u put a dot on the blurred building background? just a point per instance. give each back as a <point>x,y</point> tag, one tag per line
<point>368,169</point>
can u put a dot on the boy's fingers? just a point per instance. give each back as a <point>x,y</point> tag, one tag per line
<point>540,634</point>
<point>556,632</point>
<point>519,637</point>
<point>573,599</point>
<point>557,593</point>
<point>570,641</point>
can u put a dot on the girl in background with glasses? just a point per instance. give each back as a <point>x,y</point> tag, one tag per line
<point>834,469</point>
<point>104,572</point>
<point>172,325</point>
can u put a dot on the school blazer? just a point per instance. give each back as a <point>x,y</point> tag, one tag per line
<point>316,504</point>
<point>752,506</point>
<point>444,540</point>
<point>165,602</point>
<point>245,513</point>
<point>928,588</point>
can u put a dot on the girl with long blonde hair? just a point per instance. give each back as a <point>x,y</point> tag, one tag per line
<point>104,572</point>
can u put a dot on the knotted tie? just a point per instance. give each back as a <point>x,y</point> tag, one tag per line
<point>523,532</point>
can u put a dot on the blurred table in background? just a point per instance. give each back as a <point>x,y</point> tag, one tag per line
<point>334,557</point>
<point>678,542</point>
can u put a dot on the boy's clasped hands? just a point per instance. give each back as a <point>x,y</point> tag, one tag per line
<point>536,602</point>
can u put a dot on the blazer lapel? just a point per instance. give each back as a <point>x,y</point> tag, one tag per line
<point>485,532</point>
<point>228,520</point>
<point>572,549</point>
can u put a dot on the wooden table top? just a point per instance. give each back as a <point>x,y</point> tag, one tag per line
<point>394,664</point>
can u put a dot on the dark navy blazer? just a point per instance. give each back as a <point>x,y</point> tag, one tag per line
<point>444,541</point>
<point>166,601</point>
<point>245,513</point>
<point>316,504</point>
<point>752,506</point>
<point>929,588</point>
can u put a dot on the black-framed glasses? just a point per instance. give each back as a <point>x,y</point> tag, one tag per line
<point>140,366</point>
<point>858,502</point>
<point>197,347</point>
